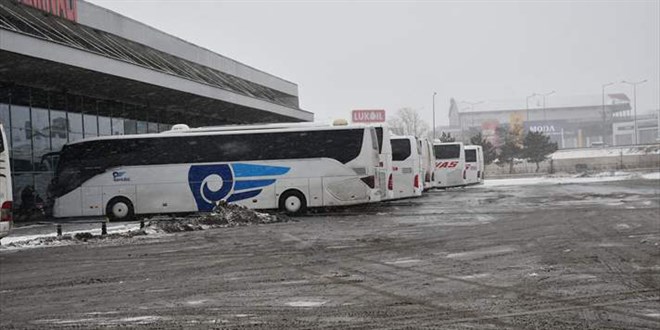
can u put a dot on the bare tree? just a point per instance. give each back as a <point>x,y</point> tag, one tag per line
<point>408,121</point>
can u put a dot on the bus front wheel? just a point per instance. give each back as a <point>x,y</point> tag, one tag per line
<point>120,209</point>
<point>293,202</point>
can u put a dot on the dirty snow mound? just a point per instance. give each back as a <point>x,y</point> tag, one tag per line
<point>223,215</point>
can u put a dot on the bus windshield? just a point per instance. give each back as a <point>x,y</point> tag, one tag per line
<point>471,156</point>
<point>400,149</point>
<point>379,134</point>
<point>447,151</point>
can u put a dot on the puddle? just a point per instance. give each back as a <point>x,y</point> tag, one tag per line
<point>481,253</point>
<point>305,303</point>
<point>402,261</point>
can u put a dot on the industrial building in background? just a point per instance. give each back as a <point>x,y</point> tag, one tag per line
<point>71,70</point>
<point>571,122</point>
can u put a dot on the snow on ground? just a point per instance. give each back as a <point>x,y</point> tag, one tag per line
<point>651,176</point>
<point>599,177</point>
<point>606,152</point>
<point>17,237</point>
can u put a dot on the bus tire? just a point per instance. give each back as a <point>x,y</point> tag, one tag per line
<point>293,202</point>
<point>120,209</point>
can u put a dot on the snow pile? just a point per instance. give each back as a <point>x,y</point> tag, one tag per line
<point>579,178</point>
<point>606,152</point>
<point>223,215</point>
<point>70,239</point>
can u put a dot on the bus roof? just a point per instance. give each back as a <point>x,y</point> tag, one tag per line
<point>446,143</point>
<point>183,133</point>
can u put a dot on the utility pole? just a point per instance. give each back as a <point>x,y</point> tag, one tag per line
<point>634,85</point>
<point>434,94</point>
<point>544,96</point>
<point>527,104</point>
<point>472,104</point>
<point>604,114</point>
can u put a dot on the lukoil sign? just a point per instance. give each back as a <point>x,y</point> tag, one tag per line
<point>368,116</point>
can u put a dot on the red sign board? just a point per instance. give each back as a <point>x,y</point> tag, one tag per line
<point>67,9</point>
<point>368,116</point>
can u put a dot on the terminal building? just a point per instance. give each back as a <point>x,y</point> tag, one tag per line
<point>71,70</point>
<point>571,121</point>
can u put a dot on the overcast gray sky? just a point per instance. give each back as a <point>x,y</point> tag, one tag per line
<point>390,54</point>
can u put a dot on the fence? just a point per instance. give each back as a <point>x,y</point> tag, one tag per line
<point>587,160</point>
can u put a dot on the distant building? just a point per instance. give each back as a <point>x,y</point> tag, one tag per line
<point>572,122</point>
<point>647,130</point>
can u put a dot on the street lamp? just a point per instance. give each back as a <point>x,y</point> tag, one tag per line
<point>527,104</point>
<point>634,85</point>
<point>472,104</point>
<point>604,114</point>
<point>544,96</point>
<point>434,94</point>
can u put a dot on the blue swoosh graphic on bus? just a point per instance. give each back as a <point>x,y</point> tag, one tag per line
<point>212,183</point>
<point>247,184</point>
<point>243,195</point>
<point>245,170</point>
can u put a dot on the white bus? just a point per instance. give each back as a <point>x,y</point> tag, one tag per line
<point>407,169</point>
<point>474,165</point>
<point>449,164</point>
<point>428,163</point>
<point>6,197</point>
<point>179,172</point>
<point>384,176</point>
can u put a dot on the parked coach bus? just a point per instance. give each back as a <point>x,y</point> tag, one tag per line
<point>6,198</point>
<point>384,179</point>
<point>428,163</point>
<point>474,165</point>
<point>407,169</point>
<point>449,164</point>
<point>286,168</point>
<point>385,174</point>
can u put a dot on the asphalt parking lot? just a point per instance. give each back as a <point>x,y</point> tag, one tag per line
<point>535,256</point>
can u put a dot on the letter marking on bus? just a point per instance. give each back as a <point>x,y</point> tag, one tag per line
<point>212,183</point>
<point>447,164</point>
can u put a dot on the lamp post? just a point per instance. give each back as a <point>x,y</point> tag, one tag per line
<point>472,104</point>
<point>544,96</point>
<point>434,94</point>
<point>527,104</point>
<point>634,85</point>
<point>604,114</point>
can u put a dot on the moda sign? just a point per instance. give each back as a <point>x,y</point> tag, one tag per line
<point>368,116</point>
<point>549,127</point>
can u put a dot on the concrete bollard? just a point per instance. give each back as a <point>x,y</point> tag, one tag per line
<point>104,229</point>
<point>59,230</point>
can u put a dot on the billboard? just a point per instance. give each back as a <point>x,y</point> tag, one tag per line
<point>547,127</point>
<point>368,116</point>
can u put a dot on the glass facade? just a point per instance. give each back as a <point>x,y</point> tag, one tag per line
<point>39,123</point>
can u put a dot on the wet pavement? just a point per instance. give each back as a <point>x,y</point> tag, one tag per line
<point>550,256</point>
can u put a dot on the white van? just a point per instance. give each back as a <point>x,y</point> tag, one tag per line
<point>428,163</point>
<point>449,164</point>
<point>474,165</point>
<point>6,198</point>
<point>406,167</point>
